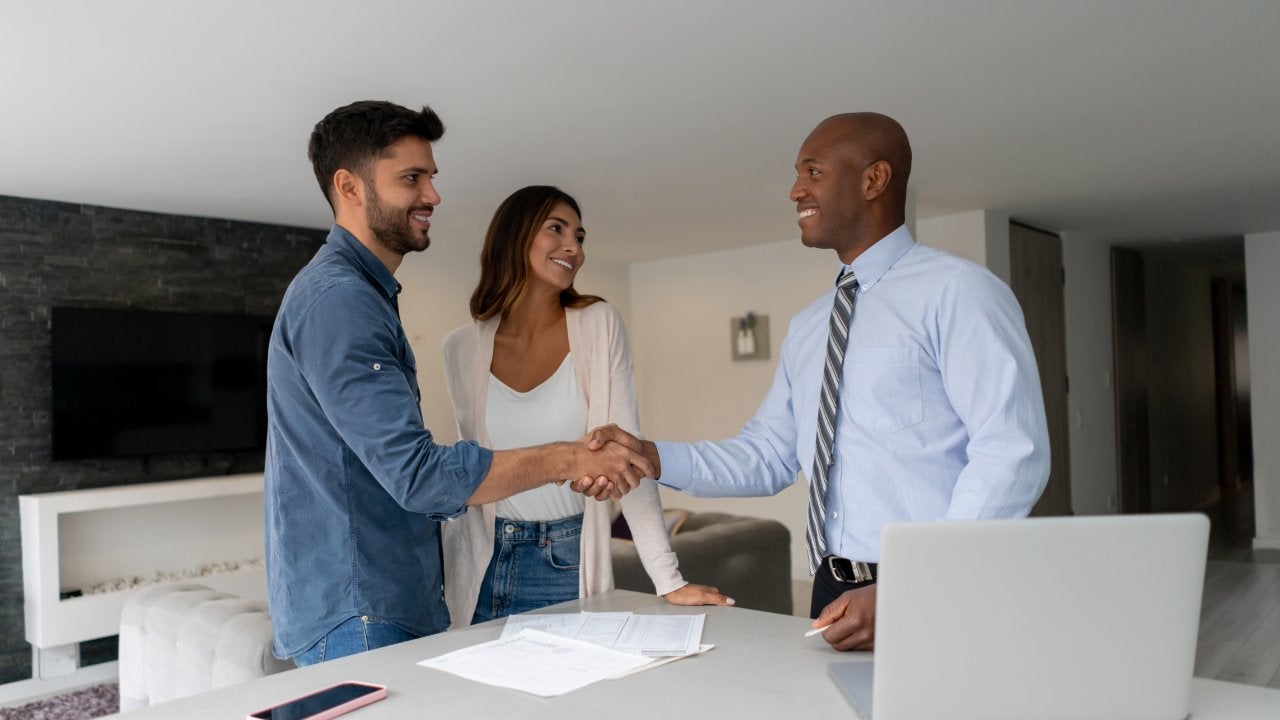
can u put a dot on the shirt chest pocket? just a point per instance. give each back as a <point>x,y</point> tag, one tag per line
<point>885,392</point>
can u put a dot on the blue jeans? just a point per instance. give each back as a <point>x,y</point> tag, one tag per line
<point>534,564</point>
<point>354,635</point>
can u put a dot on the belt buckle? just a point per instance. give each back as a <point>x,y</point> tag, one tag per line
<point>849,571</point>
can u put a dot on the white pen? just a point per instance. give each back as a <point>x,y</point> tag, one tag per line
<point>815,631</point>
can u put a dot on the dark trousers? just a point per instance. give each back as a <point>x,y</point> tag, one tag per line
<point>827,588</point>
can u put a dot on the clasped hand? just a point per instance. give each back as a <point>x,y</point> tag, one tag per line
<point>607,470</point>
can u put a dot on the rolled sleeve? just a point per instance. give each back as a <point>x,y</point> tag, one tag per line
<point>365,386</point>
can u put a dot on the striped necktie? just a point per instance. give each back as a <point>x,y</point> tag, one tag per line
<point>837,340</point>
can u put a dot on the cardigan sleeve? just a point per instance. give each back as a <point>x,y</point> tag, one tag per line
<point>642,506</point>
<point>458,349</point>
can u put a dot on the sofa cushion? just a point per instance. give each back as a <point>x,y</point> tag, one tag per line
<point>747,558</point>
<point>177,640</point>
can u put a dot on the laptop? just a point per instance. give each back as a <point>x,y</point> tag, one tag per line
<point>1087,618</point>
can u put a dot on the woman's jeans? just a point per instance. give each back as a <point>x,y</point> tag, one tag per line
<point>534,564</point>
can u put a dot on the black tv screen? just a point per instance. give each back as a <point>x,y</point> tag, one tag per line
<point>137,382</point>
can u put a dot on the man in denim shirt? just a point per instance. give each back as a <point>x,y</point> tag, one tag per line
<point>355,485</point>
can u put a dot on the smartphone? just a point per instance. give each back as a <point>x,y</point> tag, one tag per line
<point>324,704</point>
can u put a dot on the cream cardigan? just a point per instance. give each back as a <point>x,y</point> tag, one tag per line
<point>602,361</point>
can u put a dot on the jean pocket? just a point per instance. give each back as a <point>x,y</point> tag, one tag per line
<point>885,392</point>
<point>564,553</point>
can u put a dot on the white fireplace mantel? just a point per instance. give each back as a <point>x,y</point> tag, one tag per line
<point>78,538</point>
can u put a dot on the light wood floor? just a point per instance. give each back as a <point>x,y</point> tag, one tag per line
<point>1240,614</point>
<point>1239,637</point>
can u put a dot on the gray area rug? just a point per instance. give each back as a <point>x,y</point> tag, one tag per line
<point>93,702</point>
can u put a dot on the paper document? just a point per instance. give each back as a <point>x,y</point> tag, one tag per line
<point>647,635</point>
<point>536,662</point>
<point>655,662</point>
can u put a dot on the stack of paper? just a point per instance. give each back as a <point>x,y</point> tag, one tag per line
<point>648,635</point>
<point>550,655</point>
<point>536,663</point>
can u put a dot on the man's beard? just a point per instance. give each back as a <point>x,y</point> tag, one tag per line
<point>391,227</point>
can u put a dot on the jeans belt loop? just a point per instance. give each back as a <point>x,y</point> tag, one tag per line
<point>849,571</point>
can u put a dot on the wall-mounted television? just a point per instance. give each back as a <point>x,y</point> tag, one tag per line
<point>129,382</point>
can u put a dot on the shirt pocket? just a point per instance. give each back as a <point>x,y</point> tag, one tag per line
<point>885,387</point>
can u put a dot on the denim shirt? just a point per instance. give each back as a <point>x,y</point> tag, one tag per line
<point>941,413</point>
<point>355,487</point>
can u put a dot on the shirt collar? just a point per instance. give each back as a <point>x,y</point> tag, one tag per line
<point>346,244</point>
<point>876,260</point>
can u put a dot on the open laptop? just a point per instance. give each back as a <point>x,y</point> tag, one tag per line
<point>1087,618</point>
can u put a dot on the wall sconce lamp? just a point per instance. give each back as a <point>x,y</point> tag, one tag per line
<point>749,337</point>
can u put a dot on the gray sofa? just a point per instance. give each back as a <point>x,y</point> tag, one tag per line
<point>747,558</point>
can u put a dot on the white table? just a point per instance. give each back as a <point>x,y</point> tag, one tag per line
<point>762,667</point>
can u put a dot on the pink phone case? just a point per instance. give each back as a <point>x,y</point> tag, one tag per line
<point>379,693</point>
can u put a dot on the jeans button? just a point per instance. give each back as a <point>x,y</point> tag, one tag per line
<point>364,618</point>
<point>510,529</point>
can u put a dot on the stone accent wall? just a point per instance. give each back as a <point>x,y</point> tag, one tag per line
<point>54,253</point>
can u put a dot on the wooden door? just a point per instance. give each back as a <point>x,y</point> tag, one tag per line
<point>1035,259</point>
<point>1129,344</point>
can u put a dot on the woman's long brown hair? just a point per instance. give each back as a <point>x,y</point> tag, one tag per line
<point>504,261</point>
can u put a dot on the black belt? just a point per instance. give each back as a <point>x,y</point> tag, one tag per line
<point>850,571</point>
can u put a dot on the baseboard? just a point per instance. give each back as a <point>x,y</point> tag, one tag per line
<point>1266,543</point>
<point>1266,550</point>
<point>25,691</point>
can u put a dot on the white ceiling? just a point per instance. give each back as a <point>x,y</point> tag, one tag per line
<point>674,122</point>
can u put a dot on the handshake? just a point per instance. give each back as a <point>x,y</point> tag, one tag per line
<point>610,462</point>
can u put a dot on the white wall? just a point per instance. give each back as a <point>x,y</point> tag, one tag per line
<point>963,234</point>
<point>437,286</point>
<point>1091,402</point>
<point>689,387</point>
<point>611,281</point>
<point>1262,267</point>
<point>978,235</point>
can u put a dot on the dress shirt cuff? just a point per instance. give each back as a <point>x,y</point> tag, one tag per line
<point>677,465</point>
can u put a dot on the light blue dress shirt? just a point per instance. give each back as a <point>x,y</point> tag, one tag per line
<point>941,413</point>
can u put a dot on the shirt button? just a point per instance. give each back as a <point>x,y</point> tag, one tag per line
<point>834,514</point>
<point>377,366</point>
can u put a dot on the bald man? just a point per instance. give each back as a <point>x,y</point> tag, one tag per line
<point>932,410</point>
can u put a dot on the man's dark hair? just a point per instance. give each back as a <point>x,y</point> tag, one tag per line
<point>352,137</point>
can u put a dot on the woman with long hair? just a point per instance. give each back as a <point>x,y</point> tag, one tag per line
<point>539,363</point>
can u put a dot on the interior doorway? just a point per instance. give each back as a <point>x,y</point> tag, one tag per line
<point>1181,374</point>
<point>1231,374</point>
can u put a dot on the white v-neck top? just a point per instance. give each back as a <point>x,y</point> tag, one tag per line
<point>553,411</point>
